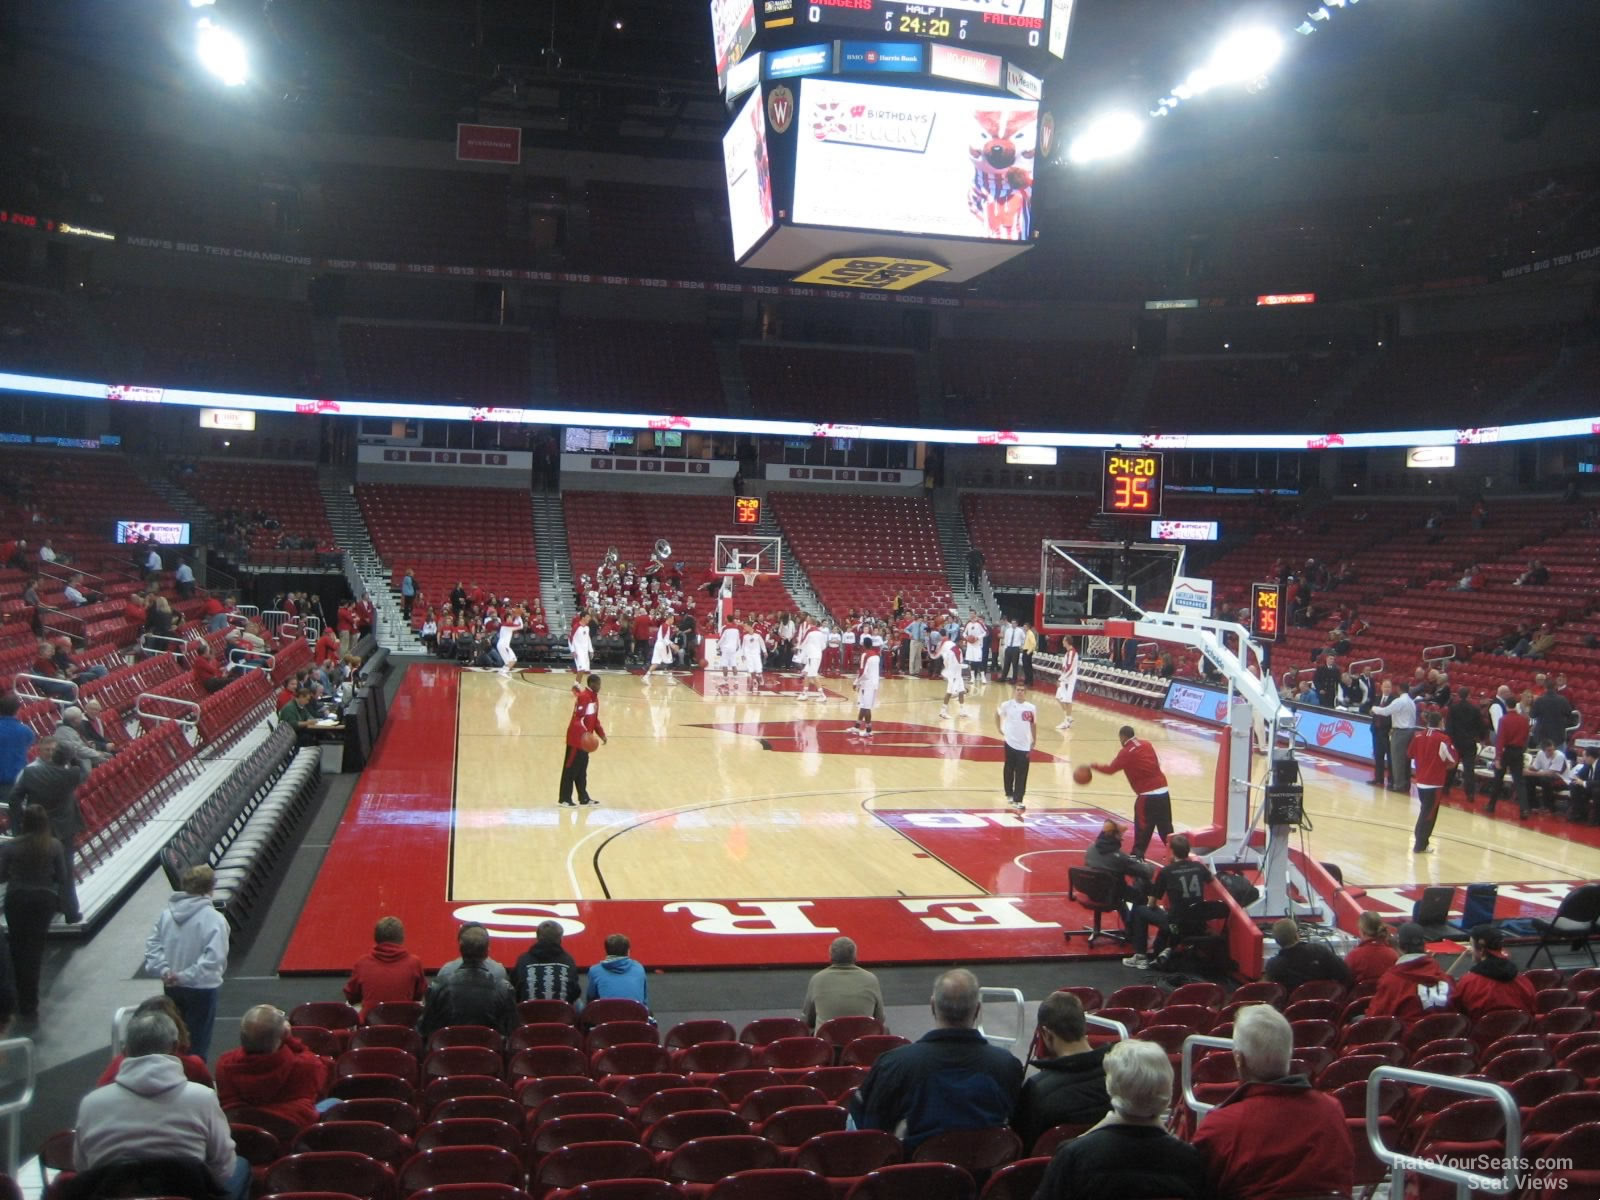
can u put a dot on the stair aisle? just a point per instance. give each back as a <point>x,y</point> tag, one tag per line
<point>795,578</point>
<point>362,566</point>
<point>956,541</point>
<point>555,559</point>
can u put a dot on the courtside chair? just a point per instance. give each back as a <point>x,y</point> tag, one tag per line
<point>1100,892</point>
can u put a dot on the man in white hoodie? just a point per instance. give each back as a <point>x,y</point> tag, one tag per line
<point>151,1111</point>
<point>188,949</point>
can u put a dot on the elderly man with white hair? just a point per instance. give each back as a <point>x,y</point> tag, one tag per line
<point>1129,1155</point>
<point>1274,1136</point>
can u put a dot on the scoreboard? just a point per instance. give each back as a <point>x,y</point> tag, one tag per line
<point>1266,611</point>
<point>1003,24</point>
<point>1130,483</point>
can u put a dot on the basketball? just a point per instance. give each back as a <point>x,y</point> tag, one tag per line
<point>590,742</point>
<point>1082,775</point>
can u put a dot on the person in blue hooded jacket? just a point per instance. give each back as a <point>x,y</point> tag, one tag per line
<point>617,975</point>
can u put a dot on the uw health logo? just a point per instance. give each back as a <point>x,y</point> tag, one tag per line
<point>1327,731</point>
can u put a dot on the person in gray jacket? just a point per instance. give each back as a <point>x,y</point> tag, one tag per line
<point>188,950</point>
<point>151,1112</point>
<point>51,781</point>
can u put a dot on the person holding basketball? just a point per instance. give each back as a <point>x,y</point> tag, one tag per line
<point>1152,802</point>
<point>585,735</point>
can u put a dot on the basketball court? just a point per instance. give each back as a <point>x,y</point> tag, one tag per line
<point>739,826</point>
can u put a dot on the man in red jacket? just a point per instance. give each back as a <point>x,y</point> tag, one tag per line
<point>1493,981</point>
<point>1415,985</point>
<point>1510,751</point>
<point>272,1070</point>
<point>390,972</point>
<point>1275,1135</point>
<point>1152,803</point>
<point>1432,756</point>
<point>585,720</point>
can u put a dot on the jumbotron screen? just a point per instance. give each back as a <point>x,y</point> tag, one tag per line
<point>749,176</point>
<point>733,28</point>
<point>907,160</point>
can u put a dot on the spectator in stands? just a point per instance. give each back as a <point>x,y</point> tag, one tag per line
<point>1541,643</point>
<point>1299,961</point>
<point>1510,753</point>
<point>160,620</point>
<point>152,563</point>
<point>1182,882</point>
<point>206,671</point>
<point>388,972</point>
<point>471,994</point>
<point>1415,985</point>
<point>188,951</point>
<point>1551,714</point>
<point>842,988</point>
<point>951,1078</point>
<point>1325,681</point>
<point>1493,981</point>
<point>545,971</point>
<point>299,713</point>
<point>47,553</point>
<point>272,1070</point>
<point>39,884</point>
<point>215,612</point>
<point>617,975</point>
<point>30,596</point>
<point>1275,1135</point>
<point>194,1067</point>
<point>75,731</point>
<point>1401,710</point>
<point>493,966</point>
<point>1070,1087</point>
<point>1547,775</point>
<point>1106,854</point>
<point>73,594</point>
<point>1374,954</point>
<point>16,739</point>
<point>1129,1155</point>
<point>153,1113</point>
<point>51,780</point>
<point>429,633</point>
<point>183,579</point>
<point>1537,575</point>
<point>1464,725</point>
<point>366,615</point>
<point>16,555</point>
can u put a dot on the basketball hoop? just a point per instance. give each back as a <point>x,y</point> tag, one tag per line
<point>749,574</point>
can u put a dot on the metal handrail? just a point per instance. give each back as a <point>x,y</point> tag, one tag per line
<point>271,618</point>
<point>50,679</point>
<point>1466,1181</point>
<point>1435,653</point>
<point>250,660</point>
<point>1116,1027</point>
<point>244,613</point>
<point>1196,1105</point>
<point>1020,1007</point>
<point>178,642</point>
<point>178,701</point>
<point>11,1111</point>
<point>1372,664</point>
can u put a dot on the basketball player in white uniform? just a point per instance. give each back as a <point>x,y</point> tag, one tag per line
<point>812,643</point>
<point>1068,683</point>
<point>752,655</point>
<point>972,637</point>
<point>581,644</point>
<point>955,687</point>
<point>502,645</point>
<point>663,653</point>
<point>867,679</point>
<point>728,648</point>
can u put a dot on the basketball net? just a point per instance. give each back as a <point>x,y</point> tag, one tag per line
<point>749,574</point>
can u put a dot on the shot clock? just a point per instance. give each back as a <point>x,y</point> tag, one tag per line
<point>1130,483</point>
<point>1266,611</point>
<point>747,510</point>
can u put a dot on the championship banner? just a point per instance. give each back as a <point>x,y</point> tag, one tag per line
<point>1190,596</point>
<point>489,143</point>
<point>876,274</point>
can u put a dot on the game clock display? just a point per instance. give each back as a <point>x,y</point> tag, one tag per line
<point>1130,483</point>
<point>747,510</point>
<point>1013,24</point>
<point>1266,611</point>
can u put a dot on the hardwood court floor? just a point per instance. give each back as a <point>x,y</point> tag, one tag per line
<point>708,790</point>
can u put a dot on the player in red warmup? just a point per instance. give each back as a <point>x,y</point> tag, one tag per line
<point>585,720</point>
<point>1152,803</point>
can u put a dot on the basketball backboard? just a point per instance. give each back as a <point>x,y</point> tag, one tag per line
<point>747,557</point>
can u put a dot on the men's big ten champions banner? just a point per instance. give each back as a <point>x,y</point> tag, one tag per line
<point>1191,597</point>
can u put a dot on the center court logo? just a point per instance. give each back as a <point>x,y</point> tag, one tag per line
<point>1327,731</point>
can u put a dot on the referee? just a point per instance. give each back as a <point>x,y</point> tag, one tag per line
<point>1152,803</point>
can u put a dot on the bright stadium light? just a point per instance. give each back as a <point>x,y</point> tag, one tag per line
<point>1243,56</point>
<point>222,53</point>
<point>1109,135</point>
